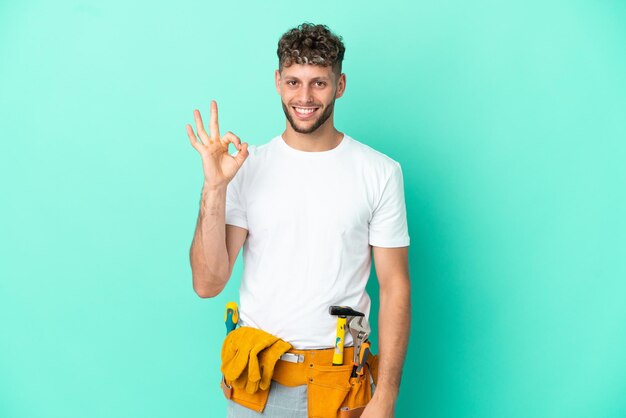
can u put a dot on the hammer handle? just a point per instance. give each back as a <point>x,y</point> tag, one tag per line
<point>339,341</point>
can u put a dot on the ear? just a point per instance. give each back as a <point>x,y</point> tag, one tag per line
<point>277,80</point>
<point>341,86</point>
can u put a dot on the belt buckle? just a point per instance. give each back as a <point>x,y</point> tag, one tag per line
<point>292,358</point>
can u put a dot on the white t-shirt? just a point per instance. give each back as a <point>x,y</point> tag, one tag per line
<point>312,218</point>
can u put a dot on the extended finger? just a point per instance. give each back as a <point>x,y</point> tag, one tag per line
<point>200,127</point>
<point>192,136</point>
<point>213,125</point>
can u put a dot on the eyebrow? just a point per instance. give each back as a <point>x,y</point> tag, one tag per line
<point>313,79</point>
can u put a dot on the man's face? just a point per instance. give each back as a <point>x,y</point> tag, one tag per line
<point>308,94</point>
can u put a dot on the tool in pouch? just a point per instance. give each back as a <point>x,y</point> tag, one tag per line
<point>231,318</point>
<point>359,328</point>
<point>343,314</point>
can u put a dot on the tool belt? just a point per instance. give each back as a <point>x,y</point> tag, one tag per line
<point>331,392</point>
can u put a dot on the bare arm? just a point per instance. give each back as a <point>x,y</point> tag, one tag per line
<point>215,245</point>
<point>394,323</point>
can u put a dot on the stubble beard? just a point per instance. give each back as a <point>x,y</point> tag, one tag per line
<point>319,122</point>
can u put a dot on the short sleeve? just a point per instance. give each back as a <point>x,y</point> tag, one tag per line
<point>388,226</point>
<point>235,202</point>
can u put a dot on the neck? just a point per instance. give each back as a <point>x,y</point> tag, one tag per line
<point>324,138</point>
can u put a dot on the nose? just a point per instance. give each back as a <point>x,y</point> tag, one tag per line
<point>305,95</point>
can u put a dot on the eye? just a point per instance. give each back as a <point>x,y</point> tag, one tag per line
<point>320,83</point>
<point>291,82</point>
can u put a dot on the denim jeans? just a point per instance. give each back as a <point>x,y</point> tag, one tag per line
<point>283,402</point>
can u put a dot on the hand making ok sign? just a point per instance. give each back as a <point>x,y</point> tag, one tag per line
<point>219,166</point>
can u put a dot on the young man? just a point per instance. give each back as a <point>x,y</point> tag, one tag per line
<point>309,207</point>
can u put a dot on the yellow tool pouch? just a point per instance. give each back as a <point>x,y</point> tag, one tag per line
<point>331,392</point>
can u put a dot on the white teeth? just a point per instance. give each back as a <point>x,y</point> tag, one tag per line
<point>304,110</point>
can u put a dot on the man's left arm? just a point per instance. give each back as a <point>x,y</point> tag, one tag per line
<point>394,323</point>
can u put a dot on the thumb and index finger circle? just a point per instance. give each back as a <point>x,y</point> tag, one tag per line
<point>230,137</point>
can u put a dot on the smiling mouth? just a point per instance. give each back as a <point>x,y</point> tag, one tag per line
<point>304,112</point>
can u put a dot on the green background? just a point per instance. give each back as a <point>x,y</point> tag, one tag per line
<point>508,119</point>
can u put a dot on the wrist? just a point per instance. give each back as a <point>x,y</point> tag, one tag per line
<point>214,188</point>
<point>386,393</point>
